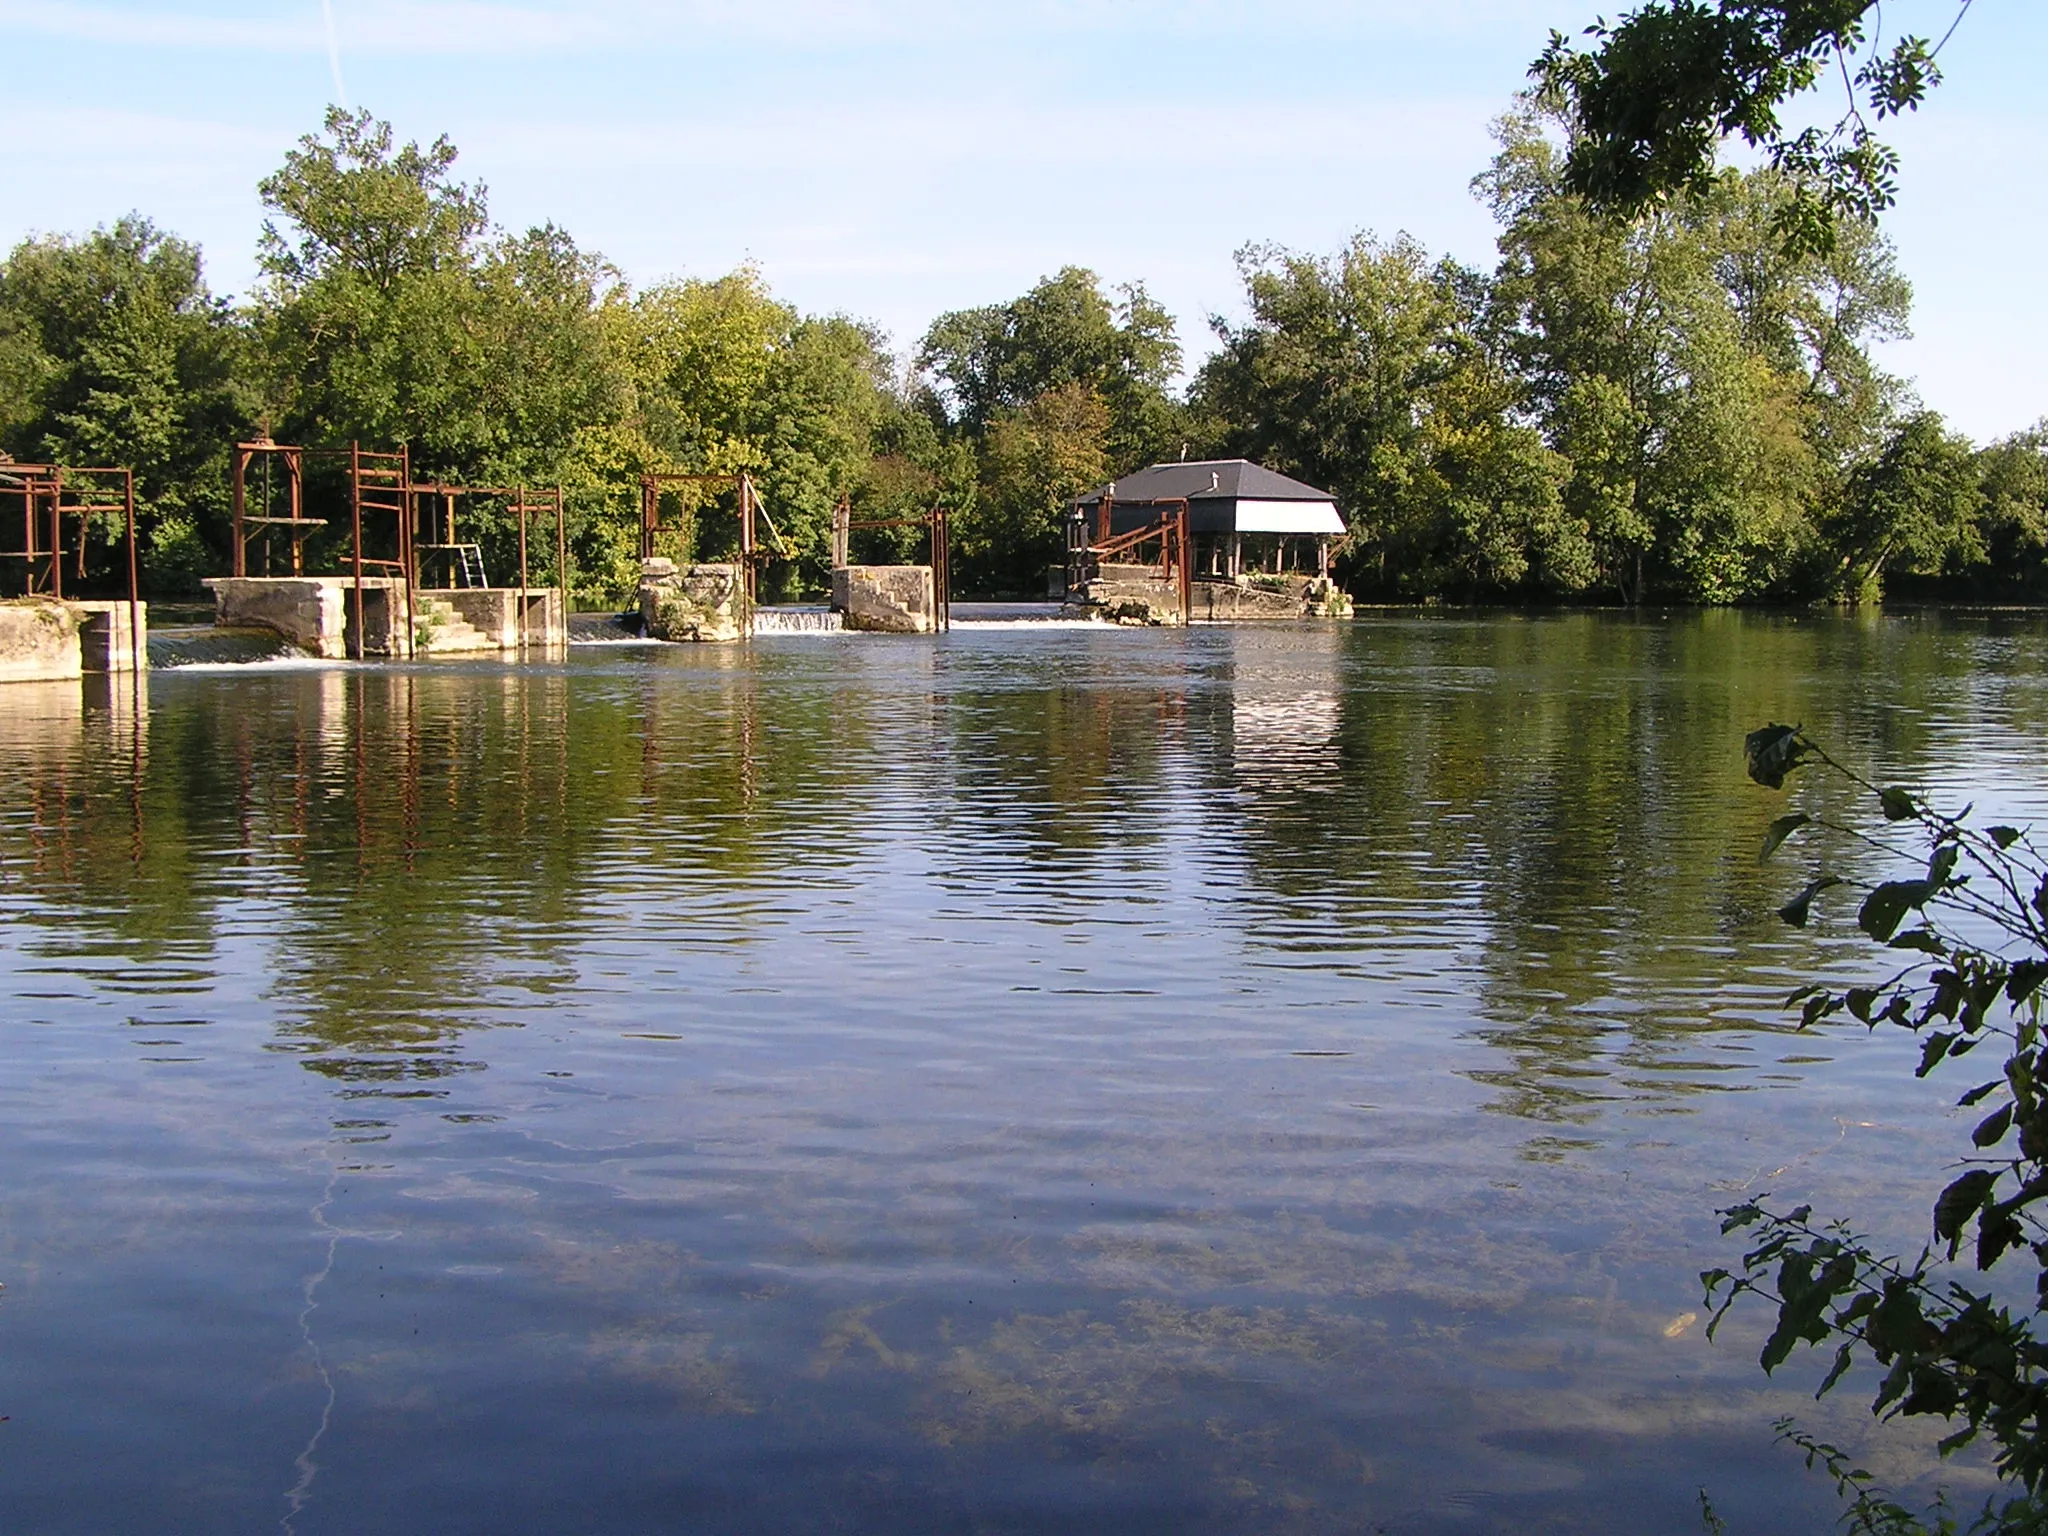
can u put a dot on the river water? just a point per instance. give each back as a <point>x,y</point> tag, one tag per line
<point>1039,1079</point>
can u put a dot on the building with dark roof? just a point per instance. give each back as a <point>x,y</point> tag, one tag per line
<point>1241,516</point>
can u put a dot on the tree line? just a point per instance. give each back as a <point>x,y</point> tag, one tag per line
<point>1675,406</point>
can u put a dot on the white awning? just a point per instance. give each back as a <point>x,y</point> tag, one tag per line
<point>1289,517</point>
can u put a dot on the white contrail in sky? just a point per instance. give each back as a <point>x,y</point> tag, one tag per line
<point>334,54</point>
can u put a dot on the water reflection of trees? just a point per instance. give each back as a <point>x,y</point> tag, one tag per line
<point>421,850</point>
<point>1544,818</point>
<point>1555,808</point>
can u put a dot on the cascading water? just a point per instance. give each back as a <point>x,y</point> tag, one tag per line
<point>212,645</point>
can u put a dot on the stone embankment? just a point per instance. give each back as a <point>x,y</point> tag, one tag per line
<point>1138,595</point>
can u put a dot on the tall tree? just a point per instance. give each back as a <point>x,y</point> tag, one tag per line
<point>1709,387</point>
<point>998,359</point>
<point>113,352</point>
<point>372,304</point>
<point>1368,374</point>
<point>1914,509</point>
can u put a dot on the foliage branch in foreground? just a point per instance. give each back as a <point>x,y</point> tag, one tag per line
<point>1968,932</point>
<point>1656,94</point>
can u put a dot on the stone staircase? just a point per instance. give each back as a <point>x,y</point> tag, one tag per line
<point>440,630</point>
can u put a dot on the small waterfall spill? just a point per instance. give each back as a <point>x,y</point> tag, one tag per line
<point>796,621</point>
<point>210,645</point>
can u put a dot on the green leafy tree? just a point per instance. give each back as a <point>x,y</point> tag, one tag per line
<point>1710,389</point>
<point>1656,94</point>
<point>1369,374</point>
<point>1034,462</point>
<point>113,352</point>
<point>2013,523</point>
<point>998,359</point>
<point>1913,508</point>
<point>372,307</point>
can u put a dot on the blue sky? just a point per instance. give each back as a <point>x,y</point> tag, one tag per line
<point>895,160</point>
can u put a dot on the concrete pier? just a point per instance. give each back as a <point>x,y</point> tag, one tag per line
<point>691,602</point>
<point>39,641</point>
<point>894,599</point>
<point>317,614</point>
<point>113,636</point>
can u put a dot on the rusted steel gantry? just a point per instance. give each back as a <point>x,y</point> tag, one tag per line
<point>1170,528</point>
<point>937,525</point>
<point>51,493</point>
<point>653,485</point>
<point>394,521</point>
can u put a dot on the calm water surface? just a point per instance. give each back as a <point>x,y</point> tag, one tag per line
<point>1040,1080</point>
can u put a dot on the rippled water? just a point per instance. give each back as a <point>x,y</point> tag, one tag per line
<point>1268,1079</point>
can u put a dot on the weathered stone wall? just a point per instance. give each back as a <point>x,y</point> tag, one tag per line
<point>306,610</point>
<point>1220,602</point>
<point>895,599</point>
<point>696,602</point>
<point>38,641</point>
<point>316,613</point>
<point>1128,594</point>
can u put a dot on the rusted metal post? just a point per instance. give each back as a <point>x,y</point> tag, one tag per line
<point>1187,569</point>
<point>134,575</point>
<point>355,504</point>
<point>562,558</point>
<point>239,566</point>
<point>295,480</point>
<point>747,553</point>
<point>842,515</point>
<point>521,494</point>
<point>57,537</point>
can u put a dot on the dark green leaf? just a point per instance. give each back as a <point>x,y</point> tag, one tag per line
<point>1799,907</point>
<point>1959,1202</point>
<point>1779,830</point>
<point>1922,939</point>
<point>2026,979</point>
<point>1933,1050</point>
<point>1898,805</point>
<point>1774,751</point>
<point>1843,1357</point>
<point>1886,907</point>
<point>1992,1128</point>
<point>1980,1093</point>
<point>2005,837</point>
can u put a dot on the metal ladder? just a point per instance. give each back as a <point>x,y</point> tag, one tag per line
<point>469,565</point>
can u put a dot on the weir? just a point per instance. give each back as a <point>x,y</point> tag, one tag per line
<point>415,583</point>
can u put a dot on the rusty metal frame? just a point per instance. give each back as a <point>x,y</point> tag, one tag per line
<point>381,484</point>
<point>42,527</point>
<point>1170,528</point>
<point>937,521</point>
<point>751,555</point>
<point>297,526</point>
<point>58,491</point>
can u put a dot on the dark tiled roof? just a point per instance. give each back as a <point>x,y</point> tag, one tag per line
<point>1229,479</point>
